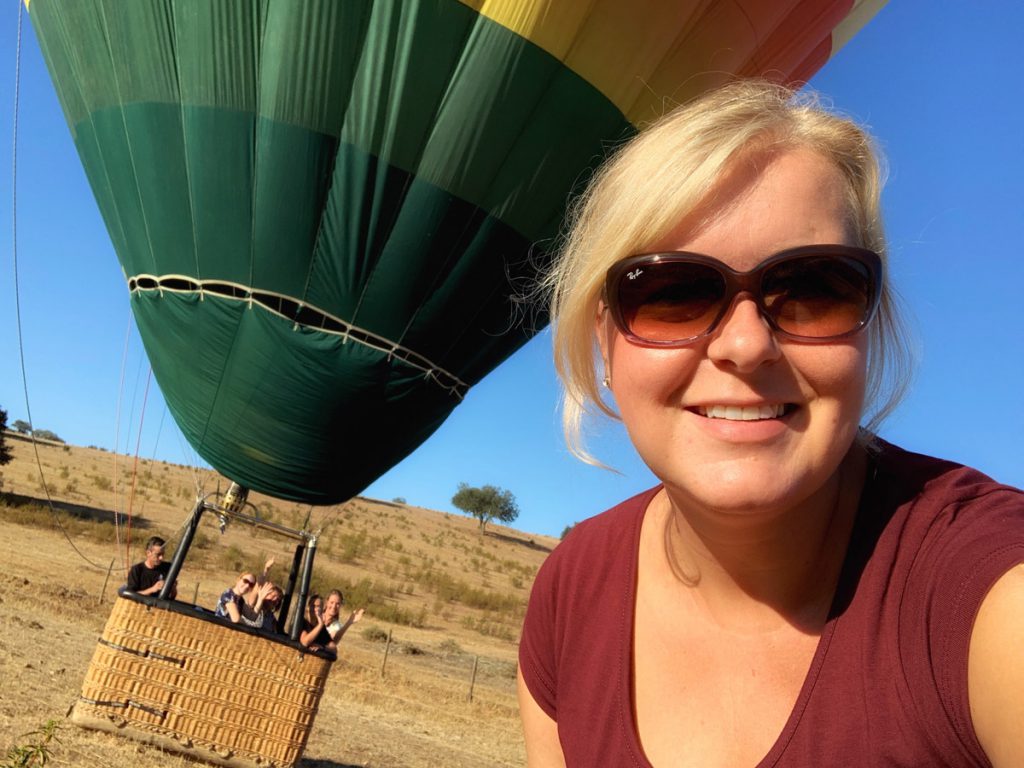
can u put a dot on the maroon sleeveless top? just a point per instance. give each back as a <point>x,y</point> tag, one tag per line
<point>888,682</point>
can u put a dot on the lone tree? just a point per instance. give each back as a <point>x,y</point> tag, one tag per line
<point>21,427</point>
<point>486,503</point>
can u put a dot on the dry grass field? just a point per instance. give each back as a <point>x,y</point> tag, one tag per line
<point>450,596</point>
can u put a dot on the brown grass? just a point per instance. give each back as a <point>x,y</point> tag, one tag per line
<point>447,594</point>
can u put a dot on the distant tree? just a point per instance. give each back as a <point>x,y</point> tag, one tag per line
<point>399,500</point>
<point>5,451</point>
<point>486,503</point>
<point>45,434</point>
<point>565,531</point>
<point>22,427</point>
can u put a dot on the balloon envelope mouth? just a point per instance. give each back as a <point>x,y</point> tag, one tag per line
<point>303,315</point>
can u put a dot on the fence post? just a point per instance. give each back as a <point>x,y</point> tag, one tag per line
<point>387,648</point>
<point>472,679</point>
<point>106,578</point>
<point>195,595</point>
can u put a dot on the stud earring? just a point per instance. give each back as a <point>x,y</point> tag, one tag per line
<point>607,381</point>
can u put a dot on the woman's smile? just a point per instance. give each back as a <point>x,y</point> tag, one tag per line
<point>743,412</point>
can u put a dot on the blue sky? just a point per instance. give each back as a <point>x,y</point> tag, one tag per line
<point>939,83</point>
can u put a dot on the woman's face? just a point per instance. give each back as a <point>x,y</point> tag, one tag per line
<point>333,605</point>
<point>727,465</point>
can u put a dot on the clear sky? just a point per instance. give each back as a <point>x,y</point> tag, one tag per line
<point>939,82</point>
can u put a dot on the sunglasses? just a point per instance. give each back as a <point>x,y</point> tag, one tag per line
<point>813,293</point>
<point>249,582</point>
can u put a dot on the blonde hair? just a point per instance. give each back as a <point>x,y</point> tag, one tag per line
<point>672,170</point>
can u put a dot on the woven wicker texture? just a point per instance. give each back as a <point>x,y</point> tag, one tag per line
<point>201,688</point>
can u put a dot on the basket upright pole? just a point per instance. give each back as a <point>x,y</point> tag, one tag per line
<point>293,576</point>
<point>307,572</point>
<point>182,550</point>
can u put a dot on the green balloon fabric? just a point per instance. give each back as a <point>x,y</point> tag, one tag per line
<point>323,208</point>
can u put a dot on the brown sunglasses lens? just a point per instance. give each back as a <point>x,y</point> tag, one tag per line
<point>671,300</point>
<point>817,297</point>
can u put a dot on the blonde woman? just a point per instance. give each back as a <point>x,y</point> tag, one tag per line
<point>795,591</point>
<point>232,600</point>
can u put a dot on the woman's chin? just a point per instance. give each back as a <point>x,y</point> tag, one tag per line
<point>749,492</point>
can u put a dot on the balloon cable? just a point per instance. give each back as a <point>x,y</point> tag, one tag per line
<point>193,463</point>
<point>135,472</point>
<point>159,431</point>
<point>117,436</point>
<point>17,297</point>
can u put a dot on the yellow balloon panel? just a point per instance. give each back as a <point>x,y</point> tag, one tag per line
<point>646,53</point>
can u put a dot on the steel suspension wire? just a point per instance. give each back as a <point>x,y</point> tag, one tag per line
<point>131,410</point>
<point>193,460</point>
<point>117,436</point>
<point>17,295</point>
<point>159,431</point>
<point>329,519</point>
<point>135,470</point>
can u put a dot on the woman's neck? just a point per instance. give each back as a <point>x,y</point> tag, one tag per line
<point>750,571</point>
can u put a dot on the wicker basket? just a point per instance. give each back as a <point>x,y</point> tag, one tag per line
<point>169,675</point>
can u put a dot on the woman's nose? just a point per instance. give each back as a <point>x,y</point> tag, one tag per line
<point>744,340</point>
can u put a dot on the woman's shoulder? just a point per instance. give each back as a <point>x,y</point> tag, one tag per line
<point>610,523</point>
<point>610,538</point>
<point>940,512</point>
<point>580,596</point>
<point>924,482</point>
<point>948,533</point>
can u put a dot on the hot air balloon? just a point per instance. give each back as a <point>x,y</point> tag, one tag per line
<point>324,209</point>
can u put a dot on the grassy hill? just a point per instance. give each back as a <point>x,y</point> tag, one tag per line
<point>406,565</point>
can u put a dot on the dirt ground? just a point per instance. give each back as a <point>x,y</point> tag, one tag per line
<point>54,603</point>
<point>417,716</point>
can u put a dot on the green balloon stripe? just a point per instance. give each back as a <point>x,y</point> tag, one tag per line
<point>433,89</point>
<point>292,412</point>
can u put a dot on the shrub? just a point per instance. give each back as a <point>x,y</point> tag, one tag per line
<point>489,628</point>
<point>410,649</point>
<point>395,615</point>
<point>354,547</point>
<point>375,635</point>
<point>232,559</point>
<point>449,647</point>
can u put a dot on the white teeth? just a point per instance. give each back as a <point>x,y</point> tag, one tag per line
<point>745,413</point>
